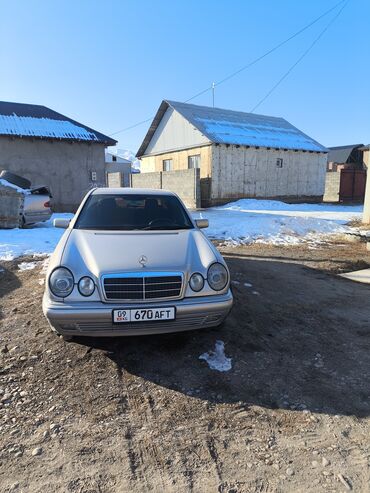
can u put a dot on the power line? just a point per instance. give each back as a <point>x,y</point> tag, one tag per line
<point>304,54</point>
<point>279,45</point>
<point>132,126</point>
<point>250,64</point>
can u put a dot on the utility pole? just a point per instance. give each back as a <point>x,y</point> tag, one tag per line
<point>213,94</point>
<point>366,214</point>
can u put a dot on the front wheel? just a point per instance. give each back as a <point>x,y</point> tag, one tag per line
<point>67,338</point>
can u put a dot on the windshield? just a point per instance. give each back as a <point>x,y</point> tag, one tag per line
<point>133,212</point>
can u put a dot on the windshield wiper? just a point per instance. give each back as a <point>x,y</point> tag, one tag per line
<point>108,228</point>
<point>165,228</point>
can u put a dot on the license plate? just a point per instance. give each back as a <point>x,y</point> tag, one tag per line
<point>144,315</point>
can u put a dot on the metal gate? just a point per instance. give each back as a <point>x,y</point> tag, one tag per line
<point>352,185</point>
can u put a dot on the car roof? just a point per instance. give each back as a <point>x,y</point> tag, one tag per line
<point>130,191</point>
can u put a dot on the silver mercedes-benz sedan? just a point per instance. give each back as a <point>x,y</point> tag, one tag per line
<point>133,261</point>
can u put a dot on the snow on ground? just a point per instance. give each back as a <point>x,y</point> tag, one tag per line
<point>41,239</point>
<point>217,359</point>
<point>275,222</point>
<point>27,265</point>
<point>243,221</point>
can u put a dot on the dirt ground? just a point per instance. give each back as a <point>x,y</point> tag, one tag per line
<point>145,414</point>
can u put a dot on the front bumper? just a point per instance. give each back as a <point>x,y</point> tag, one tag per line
<point>95,318</point>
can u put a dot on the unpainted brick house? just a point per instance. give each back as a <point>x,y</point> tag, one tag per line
<point>238,154</point>
<point>53,150</point>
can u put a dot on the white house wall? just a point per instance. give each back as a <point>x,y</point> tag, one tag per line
<point>250,172</point>
<point>174,133</point>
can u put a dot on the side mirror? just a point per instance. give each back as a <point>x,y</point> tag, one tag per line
<point>202,223</point>
<point>60,222</point>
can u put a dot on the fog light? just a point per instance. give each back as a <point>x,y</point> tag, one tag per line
<point>196,282</point>
<point>86,286</point>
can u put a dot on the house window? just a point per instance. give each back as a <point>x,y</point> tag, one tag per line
<point>279,162</point>
<point>194,161</point>
<point>93,176</point>
<point>167,164</point>
<point>114,158</point>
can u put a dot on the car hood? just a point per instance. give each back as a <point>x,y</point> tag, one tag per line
<point>103,252</point>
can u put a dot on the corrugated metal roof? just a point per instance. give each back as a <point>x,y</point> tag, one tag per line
<point>341,154</point>
<point>30,120</point>
<point>238,128</point>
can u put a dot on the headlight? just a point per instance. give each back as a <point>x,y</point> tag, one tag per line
<point>217,277</point>
<point>61,282</point>
<point>86,286</point>
<point>196,282</point>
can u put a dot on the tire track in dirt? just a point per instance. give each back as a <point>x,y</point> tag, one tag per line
<point>142,453</point>
<point>211,446</point>
<point>358,460</point>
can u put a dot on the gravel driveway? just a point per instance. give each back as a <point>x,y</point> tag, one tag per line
<point>146,414</point>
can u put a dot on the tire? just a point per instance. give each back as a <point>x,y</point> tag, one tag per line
<point>15,179</point>
<point>68,338</point>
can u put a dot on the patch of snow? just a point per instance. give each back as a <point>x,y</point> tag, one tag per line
<point>248,284</point>
<point>274,222</point>
<point>248,205</point>
<point>256,293</point>
<point>43,127</point>
<point>270,222</point>
<point>41,239</point>
<point>236,283</point>
<point>45,265</point>
<point>269,132</point>
<point>217,360</point>
<point>27,265</point>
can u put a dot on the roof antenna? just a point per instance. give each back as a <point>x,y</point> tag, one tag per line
<point>213,94</point>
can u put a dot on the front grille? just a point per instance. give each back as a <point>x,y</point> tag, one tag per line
<point>143,287</point>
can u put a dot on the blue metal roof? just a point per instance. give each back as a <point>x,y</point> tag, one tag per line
<point>236,127</point>
<point>222,126</point>
<point>29,120</point>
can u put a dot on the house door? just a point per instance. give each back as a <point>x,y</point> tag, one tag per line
<point>352,185</point>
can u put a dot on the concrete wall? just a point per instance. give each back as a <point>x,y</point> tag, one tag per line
<point>231,172</point>
<point>332,184</point>
<point>147,180</point>
<point>240,171</point>
<point>366,214</point>
<point>185,183</point>
<point>63,166</point>
<point>114,180</point>
<point>123,168</point>
<point>11,206</point>
<point>179,160</point>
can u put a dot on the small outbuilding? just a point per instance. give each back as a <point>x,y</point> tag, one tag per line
<point>238,154</point>
<point>118,170</point>
<point>51,149</point>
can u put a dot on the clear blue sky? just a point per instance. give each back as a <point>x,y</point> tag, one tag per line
<point>108,64</point>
